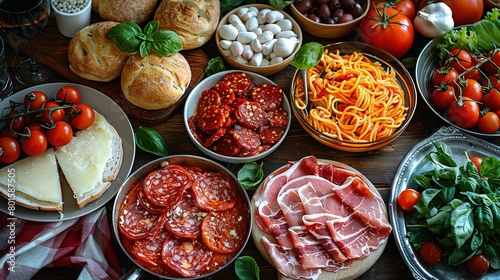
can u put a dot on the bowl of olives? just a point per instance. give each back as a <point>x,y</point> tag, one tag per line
<point>329,18</point>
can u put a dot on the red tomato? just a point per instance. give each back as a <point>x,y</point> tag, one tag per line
<point>60,135</point>
<point>37,126</point>
<point>478,264</point>
<point>430,252</point>
<point>491,99</point>
<point>407,7</point>
<point>493,64</point>
<point>477,162</point>
<point>51,116</point>
<point>68,94</point>
<point>459,59</point>
<point>465,11</point>
<point>488,123</point>
<point>472,73</point>
<point>387,29</point>
<point>36,144</point>
<point>6,132</point>
<point>443,74</point>
<point>82,117</point>
<point>407,199</point>
<point>17,124</point>
<point>442,97</point>
<point>10,150</point>
<point>35,100</point>
<point>464,113</point>
<point>471,89</point>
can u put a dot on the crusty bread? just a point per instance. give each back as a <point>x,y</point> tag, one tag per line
<point>17,178</point>
<point>194,21</point>
<point>93,56</point>
<point>155,82</point>
<point>124,10</point>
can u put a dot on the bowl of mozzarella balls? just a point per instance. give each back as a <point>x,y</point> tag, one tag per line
<point>258,38</point>
<point>329,18</point>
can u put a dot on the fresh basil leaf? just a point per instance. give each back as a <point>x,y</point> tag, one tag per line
<point>280,4</point>
<point>151,27</point>
<point>484,218</point>
<point>149,140</point>
<point>462,221</point>
<point>250,175</point>
<point>166,43</point>
<point>246,268</point>
<point>145,48</point>
<point>215,65</point>
<point>125,36</point>
<point>227,5</point>
<point>308,56</point>
<point>492,251</point>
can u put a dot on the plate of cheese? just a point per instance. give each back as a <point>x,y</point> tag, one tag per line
<point>70,181</point>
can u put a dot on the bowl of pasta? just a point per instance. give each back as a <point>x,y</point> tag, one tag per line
<point>359,97</point>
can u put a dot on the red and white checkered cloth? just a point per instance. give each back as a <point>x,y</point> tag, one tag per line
<point>83,243</point>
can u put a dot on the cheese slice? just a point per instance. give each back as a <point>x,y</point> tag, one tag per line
<point>84,158</point>
<point>34,178</point>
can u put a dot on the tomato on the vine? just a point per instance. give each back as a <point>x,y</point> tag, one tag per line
<point>37,126</point>
<point>51,116</point>
<point>464,112</point>
<point>16,124</point>
<point>492,66</point>
<point>35,144</point>
<point>477,161</point>
<point>472,89</point>
<point>387,29</point>
<point>60,135</point>
<point>407,7</point>
<point>442,97</point>
<point>407,199</point>
<point>82,116</point>
<point>443,74</point>
<point>478,264</point>
<point>430,252</point>
<point>10,150</point>
<point>68,94</point>
<point>459,59</point>
<point>491,99</point>
<point>488,123</point>
<point>35,100</point>
<point>6,132</point>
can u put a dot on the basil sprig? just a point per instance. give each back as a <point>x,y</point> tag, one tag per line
<point>308,56</point>
<point>215,65</point>
<point>149,140</point>
<point>246,268</point>
<point>250,175</point>
<point>130,38</point>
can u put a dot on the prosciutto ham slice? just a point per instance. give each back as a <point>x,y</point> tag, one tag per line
<point>322,217</point>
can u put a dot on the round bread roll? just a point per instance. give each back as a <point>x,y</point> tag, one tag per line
<point>155,82</point>
<point>194,21</point>
<point>124,10</point>
<point>93,56</point>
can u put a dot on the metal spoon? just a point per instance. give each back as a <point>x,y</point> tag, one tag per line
<point>306,95</point>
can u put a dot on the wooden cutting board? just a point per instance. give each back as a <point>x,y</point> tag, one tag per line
<point>51,49</point>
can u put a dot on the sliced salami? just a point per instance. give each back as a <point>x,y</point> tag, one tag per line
<point>226,145</point>
<point>271,135</point>
<point>278,117</point>
<point>188,257</point>
<point>151,208</point>
<point>211,118</point>
<point>238,81</point>
<point>268,95</point>
<point>225,232</point>
<point>198,134</point>
<point>251,115</point>
<point>214,192</point>
<point>136,223</point>
<point>246,139</point>
<point>165,187</point>
<point>184,220</point>
<point>226,93</point>
<point>194,171</point>
<point>208,97</point>
<point>148,250</point>
<point>214,137</point>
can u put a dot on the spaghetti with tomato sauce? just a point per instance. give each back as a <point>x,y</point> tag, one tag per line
<point>352,98</point>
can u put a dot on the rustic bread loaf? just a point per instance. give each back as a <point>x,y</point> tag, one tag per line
<point>155,82</point>
<point>93,56</point>
<point>124,10</point>
<point>194,21</point>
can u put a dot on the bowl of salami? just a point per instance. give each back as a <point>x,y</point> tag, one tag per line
<point>178,231</point>
<point>237,116</point>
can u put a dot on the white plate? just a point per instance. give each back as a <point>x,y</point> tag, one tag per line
<point>116,117</point>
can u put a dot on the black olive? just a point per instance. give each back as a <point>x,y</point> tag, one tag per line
<point>356,10</point>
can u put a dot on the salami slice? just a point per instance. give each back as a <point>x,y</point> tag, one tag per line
<point>148,250</point>
<point>194,171</point>
<point>198,134</point>
<point>226,93</point>
<point>271,135</point>
<point>225,231</point>
<point>251,115</point>
<point>214,137</point>
<point>165,187</point>
<point>188,257</point>
<point>136,223</point>
<point>151,208</point>
<point>208,97</point>
<point>246,139</point>
<point>238,81</point>
<point>226,145</point>
<point>268,95</point>
<point>214,192</point>
<point>278,117</point>
<point>184,220</point>
<point>211,118</point>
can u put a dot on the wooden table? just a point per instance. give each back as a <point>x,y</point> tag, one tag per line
<point>378,166</point>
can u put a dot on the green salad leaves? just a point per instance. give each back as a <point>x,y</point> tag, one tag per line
<point>459,207</point>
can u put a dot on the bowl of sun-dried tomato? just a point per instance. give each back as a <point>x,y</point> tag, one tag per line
<point>237,116</point>
<point>182,216</point>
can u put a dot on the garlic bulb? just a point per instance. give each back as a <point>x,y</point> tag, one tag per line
<point>434,20</point>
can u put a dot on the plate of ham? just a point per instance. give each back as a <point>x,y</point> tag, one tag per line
<point>319,219</point>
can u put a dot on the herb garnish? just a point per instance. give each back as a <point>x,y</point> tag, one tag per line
<point>149,140</point>
<point>250,175</point>
<point>308,56</point>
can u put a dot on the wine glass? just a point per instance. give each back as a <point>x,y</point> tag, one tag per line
<point>22,20</point>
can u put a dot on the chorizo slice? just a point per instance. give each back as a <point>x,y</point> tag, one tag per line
<point>164,187</point>
<point>211,118</point>
<point>184,220</point>
<point>214,137</point>
<point>271,135</point>
<point>278,117</point>
<point>226,145</point>
<point>188,257</point>
<point>268,95</point>
<point>226,92</point>
<point>208,97</point>
<point>214,192</point>
<point>246,139</point>
<point>238,81</point>
<point>251,115</point>
<point>198,134</point>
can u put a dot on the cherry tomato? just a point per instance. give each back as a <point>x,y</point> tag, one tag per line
<point>10,150</point>
<point>60,135</point>
<point>407,199</point>
<point>443,74</point>
<point>407,7</point>
<point>443,96</point>
<point>430,252</point>
<point>459,59</point>
<point>51,116</point>
<point>492,66</point>
<point>472,89</point>
<point>82,117</point>
<point>17,124</point>
<point>37,126</point>
<point>478,264</point>
<point>488,123</point>
<point>491,99</point>
<point>68,94</point>
<point>472,73</point>
<point>6,132</point>
<point>36,144</point>
<point>387,29</point>
<point>477,162</point>
<point>464,113</point>
<point>35,100</point>
<point>465,11</point>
